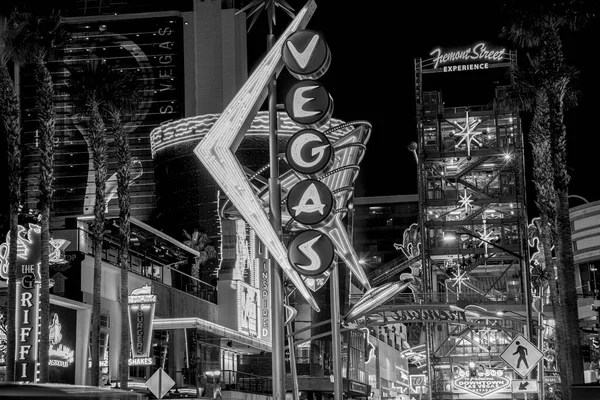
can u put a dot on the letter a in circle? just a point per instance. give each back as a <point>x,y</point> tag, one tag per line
<point>310,195</point>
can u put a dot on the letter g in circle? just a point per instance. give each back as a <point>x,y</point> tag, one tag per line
<point>309,151</point>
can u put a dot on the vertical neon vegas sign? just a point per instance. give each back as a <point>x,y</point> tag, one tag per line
<point>142,304</point>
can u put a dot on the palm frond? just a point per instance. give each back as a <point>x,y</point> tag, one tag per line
<point>247,7</point>
<point>112,90</point>
<point>31,37</point>
<point>286,8</point>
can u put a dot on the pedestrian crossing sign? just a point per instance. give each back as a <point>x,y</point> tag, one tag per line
<point>521,355</point>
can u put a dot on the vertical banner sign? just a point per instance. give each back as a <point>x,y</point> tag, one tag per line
<point>28,280</point>
<point>265,299</point>
<point>142,304</point>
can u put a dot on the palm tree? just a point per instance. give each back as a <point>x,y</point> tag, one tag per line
<point>543,180</point>
<point>86,87</point>
<point>537,27</point>
<point>10,112</point>
<point>123,100</point>
<point>34,40</point>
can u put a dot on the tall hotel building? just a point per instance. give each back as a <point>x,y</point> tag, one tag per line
<point>190,59</point>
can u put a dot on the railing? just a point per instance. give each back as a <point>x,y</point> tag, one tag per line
<point>138,263</point>
<point>462,109</point>
<point>242,382</point>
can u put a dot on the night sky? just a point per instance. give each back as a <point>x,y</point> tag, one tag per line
<point>371,77</point>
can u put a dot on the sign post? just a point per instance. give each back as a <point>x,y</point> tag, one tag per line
<point>525,386</point>
<point>160,383</point>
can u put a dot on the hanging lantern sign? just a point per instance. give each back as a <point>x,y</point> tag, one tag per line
<point>309,151</point>
<point>306,55</point>
<point>308,103</point>
<point>142,304</point>
<point>311,253</point>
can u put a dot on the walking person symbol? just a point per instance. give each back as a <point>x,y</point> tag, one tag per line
<point>522,352</point>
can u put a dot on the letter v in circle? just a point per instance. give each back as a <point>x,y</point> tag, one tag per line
<point>304,56</point>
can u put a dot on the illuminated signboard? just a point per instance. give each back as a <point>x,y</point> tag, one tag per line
<point>473,58</point>
<point>431,315</point>
<point>265,299</point>
<point>28,281</point>
<point>140,361</point>
<point>369,347</point>
<point>63,325</point>
<point>56,256</point>
<point>247,297</point>
<point>142,304</point>
<point>3,338</point>
<point>418,384</point>
<point>484,384</point>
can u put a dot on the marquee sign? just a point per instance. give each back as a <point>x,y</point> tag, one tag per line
<point>477,57</point>
<point>431,315</point>
<point>411,314</point>
<point>142,304</point>
<point>484,384</point>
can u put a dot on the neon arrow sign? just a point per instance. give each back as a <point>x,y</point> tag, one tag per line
<point>217,151</point>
